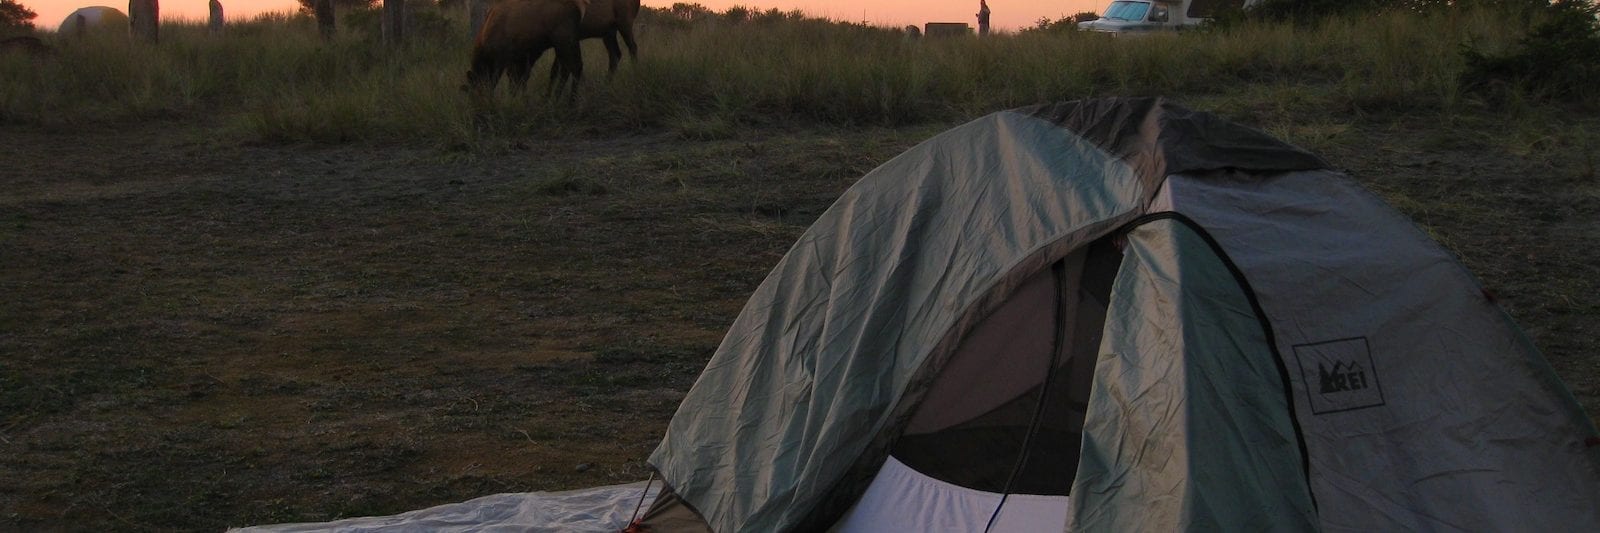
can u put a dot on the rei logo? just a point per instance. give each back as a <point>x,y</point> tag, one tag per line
<point>1342,377</point>
<point>1339,375</point>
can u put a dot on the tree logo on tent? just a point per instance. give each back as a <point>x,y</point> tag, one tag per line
<point>1341,378</point>
<point>1339,375</point>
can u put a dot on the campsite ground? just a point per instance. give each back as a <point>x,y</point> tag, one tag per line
<point>199,333</point>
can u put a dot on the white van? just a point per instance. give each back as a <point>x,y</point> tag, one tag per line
<point>1141,16</point>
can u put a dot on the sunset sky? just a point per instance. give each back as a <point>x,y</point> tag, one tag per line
<point>1010,15</point>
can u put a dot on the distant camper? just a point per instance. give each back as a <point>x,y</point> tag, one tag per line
<point>983,18</point>
<point>1132,17</point>
<point>946,29</point>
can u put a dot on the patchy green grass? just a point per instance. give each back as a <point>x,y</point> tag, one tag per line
<point>233,334</point>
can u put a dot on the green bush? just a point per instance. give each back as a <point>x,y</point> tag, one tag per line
<point>1067,23</point>
<point>1308,12</point>
<point>1558,58</point>
<point>1313,12</point>
<point>15,18</point>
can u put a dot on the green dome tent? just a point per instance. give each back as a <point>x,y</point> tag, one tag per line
<point>1103,315</point>
<point>1121,315</point>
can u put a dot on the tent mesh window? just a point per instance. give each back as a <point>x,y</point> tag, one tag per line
<point>1020,379</point>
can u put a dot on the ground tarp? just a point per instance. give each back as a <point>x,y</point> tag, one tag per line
<point>592,510</point>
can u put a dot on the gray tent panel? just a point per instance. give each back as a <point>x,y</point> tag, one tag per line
<point>1158,138</point>
<point>1188,427</point>
<point>1421,403</point>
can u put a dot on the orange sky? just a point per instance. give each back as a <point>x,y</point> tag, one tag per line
<point>1005,14</point>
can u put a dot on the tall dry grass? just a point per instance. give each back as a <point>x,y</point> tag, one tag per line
<point>274,79</point>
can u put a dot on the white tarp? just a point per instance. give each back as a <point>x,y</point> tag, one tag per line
<point>902,499</point>
<point>591,510</point>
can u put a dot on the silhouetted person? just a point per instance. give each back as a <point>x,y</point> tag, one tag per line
<point>983,17</point>
<point>215,24</point>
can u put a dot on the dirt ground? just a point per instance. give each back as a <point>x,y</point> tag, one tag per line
<point>197,334</point>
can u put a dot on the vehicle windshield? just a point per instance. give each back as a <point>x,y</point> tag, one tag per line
<point>1133,11</point>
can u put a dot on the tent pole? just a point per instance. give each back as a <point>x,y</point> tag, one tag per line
<point>1060,270</point>
<point>642,495</point>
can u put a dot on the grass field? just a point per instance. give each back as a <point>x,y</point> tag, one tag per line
<point>276,80</point>
<point>264,278</point>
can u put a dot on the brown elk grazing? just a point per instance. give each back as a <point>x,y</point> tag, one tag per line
<point>607,19</point>
<point>516,33</point>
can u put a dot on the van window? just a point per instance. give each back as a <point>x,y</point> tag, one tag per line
<point>1129,11</point>
<point>1158,14</point>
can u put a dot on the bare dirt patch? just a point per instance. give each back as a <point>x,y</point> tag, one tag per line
<point>196,335</point>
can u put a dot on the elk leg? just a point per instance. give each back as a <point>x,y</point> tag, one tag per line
<point>627,38</point>
<point>613,52</point>
<point>572,62</point>
<point>520,69</point>
<point>556,73</point>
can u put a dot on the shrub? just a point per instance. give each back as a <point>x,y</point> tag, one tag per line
<point>1559,57</point>
<point>1314,12</point>
<point>15,16</point>
<point>1298,12</point>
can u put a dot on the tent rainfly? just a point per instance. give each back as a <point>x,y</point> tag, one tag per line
<point>1121,315</point>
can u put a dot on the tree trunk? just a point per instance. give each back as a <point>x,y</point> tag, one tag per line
<point>144,20</point>
<point>478,11</point>
<point>324,12</point>
<point>394,22</point>
<point>215,25</point>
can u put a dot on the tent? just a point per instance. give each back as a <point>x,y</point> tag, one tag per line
<point>93,18</point>
<point>1121,315</point>
<point>1103,315</point>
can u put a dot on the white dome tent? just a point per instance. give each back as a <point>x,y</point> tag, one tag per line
<point>92,19</point>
